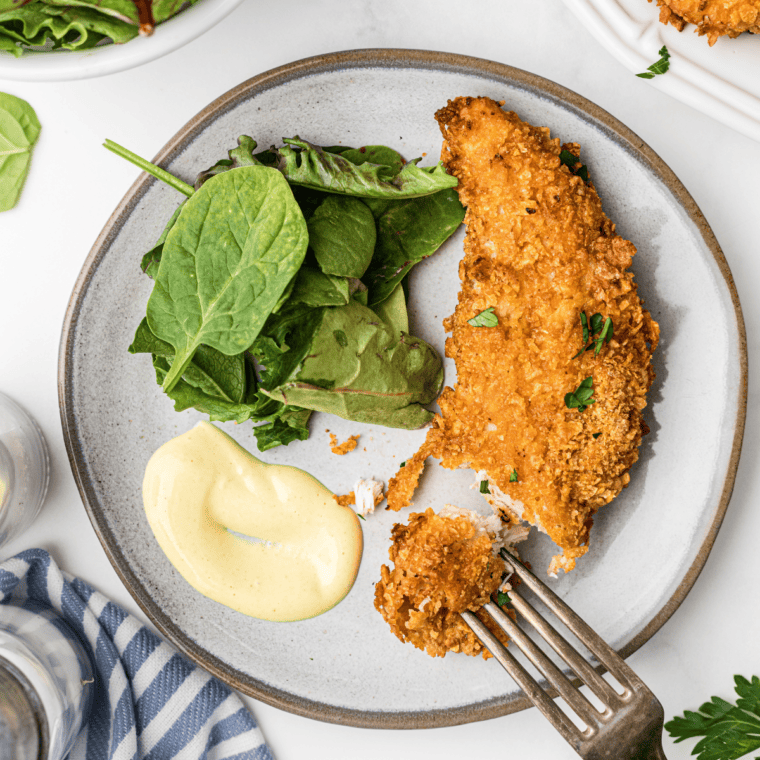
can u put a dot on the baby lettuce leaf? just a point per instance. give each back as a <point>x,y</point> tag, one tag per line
<point>375,154</point>
<point>19,129</point>
<point>289,424</point>
<point>242,155</point>
<point>306,164</point>
<point>352,365</point>
<point>342,235</point>
<point>393,310</point>
<point>235,247</point>
<point>407,232</point>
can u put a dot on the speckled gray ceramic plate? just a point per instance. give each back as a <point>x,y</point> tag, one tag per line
<point>345,666</point>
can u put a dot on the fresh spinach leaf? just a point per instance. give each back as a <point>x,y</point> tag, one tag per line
<point>407,232</point>
<point>217,375</point>
<point>356,366</point>
<point>315,288</point>
<point>233,250</point>
<point>342,235</point>
<point>19,130</point>
<point>306,164</point>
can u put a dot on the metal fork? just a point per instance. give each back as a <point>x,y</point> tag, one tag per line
<point>629,728</point>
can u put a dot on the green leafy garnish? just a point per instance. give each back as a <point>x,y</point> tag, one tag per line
<point>599,330</point>
<point>484,487</point>
<point>513,476</point>
<point>729,731</point>
<point>572,162</point>
<point>19,129</point>
<point>596,435</point>
<point>361,516</point>
<point>502,599</point>
<point>580,398</point>
<point>486,318</point>
<point>403,464</point>
<point>659,67</point>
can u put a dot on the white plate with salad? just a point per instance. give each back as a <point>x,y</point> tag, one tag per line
<point>345,666</point>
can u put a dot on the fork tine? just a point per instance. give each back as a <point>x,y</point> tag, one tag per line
<point>590,715</point>
<point>524,680</point>
<point>563,648</point>
<point>596,645</point>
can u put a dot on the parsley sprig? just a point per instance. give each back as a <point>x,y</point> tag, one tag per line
<point>658,67</point>
<point>580,398</point>
<point>484,487</point>
<point>596,332</point>
<point>729,731</point>
<point>571,161</point>
<point>486,318</point>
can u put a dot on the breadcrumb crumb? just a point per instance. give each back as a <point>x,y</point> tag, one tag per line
<point>343,448</point>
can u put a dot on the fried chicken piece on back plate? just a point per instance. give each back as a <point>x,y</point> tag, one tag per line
<point>539,251</point>
<point>713,18</point>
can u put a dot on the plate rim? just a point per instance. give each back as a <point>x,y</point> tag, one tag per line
<point>388,58</point>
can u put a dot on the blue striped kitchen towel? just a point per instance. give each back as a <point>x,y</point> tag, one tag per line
<point>151,703</point>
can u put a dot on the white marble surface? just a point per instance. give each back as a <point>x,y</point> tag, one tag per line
<point>73,188</point>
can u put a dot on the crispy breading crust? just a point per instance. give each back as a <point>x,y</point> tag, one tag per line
<point>713,18</point>
<point>540,250</point>
<point>440,569</point>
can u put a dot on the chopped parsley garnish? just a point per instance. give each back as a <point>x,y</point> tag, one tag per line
<point>596,333</point>
<point>580,398</point>
<point>571,161</point>
<point>513,476</point>
<point>362,516</point>
<point>596,435</point>
<point>486,318</point>
<point>729,731</point>
<point>502,598</point>
<point>484,487</point>
<point>659,67</point>
<point>403,464</point>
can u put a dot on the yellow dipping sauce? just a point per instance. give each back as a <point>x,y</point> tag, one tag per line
<point>201,485</point>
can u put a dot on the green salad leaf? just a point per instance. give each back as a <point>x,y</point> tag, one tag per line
<point>19,130</point>
<point>236,245</point>
<point>408,232</point>
<point>350,363</point>
<point>306,164</point>
<point>342,235</point>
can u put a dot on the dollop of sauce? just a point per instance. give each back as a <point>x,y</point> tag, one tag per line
<point>201,485</point>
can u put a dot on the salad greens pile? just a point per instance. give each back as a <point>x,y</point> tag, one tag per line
<point>280,287</point>
<point>19,130</point>
<point>79,24</point>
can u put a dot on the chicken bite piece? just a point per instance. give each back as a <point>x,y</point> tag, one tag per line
<point>713,18</point>
<point>444,564</point>
<point>552,427</point>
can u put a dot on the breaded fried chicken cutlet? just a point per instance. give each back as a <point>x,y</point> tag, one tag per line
<point>444,564</point>
<point>552,347</point>
<point>713,18</point>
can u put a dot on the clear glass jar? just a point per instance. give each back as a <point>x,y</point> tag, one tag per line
<point>24,469</point>
<point>46,684</point>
